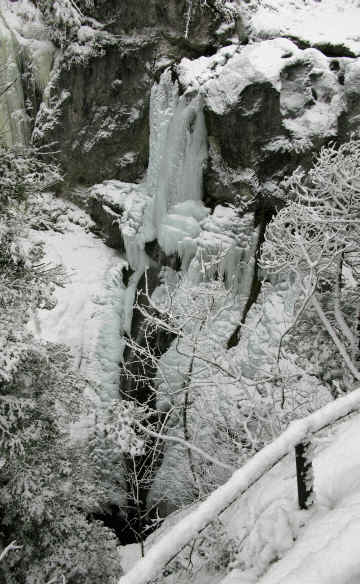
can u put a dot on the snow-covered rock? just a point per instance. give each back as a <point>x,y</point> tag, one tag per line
<point>266,104</point>
<point>121,210</point>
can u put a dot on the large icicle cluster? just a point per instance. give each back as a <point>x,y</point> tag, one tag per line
<point>168,206</point>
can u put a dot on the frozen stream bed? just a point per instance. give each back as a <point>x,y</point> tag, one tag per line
<point>88,316</point>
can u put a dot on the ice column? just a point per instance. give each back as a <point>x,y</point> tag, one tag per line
<point>178,147</point>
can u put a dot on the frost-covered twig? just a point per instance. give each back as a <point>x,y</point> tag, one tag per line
<point>337,342</point>
<point>345,329</point>
<point>312,235</point>
<point>55,580</point>
<point>11,547</point>
<point>186,445</point>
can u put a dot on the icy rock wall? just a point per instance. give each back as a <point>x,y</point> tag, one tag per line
<point>174,180</point>
<point>105,126</point>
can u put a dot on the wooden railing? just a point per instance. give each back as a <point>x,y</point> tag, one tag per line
<point>297,436</point>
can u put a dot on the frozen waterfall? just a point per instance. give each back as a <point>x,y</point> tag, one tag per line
<point>178,148</point>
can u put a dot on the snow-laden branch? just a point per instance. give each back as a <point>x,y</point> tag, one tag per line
<point>187,528</point>
<point>345,329</point>
<point>186,444</point>
<point>12,546</point>
<point>339,345</point>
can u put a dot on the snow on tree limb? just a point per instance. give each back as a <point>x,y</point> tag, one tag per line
<point>314,239</point>
<point>12,546</point>
<point>181,534</point>
<point>186,444</point>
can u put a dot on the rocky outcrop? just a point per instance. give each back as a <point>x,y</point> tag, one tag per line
<point>118,209</point>
<point>349,70</point>
<point>269,107</point>
<point>104,127</point>
<point>269,104</point>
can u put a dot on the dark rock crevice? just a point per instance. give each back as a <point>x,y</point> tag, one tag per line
<point>136,384</point>
<point>263,216</point>
<point>328,49</point>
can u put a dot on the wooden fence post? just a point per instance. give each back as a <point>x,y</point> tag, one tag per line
<point>304,474</point>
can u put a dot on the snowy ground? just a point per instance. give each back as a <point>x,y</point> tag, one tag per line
<point>278,543</point>
<point>327,548</point>
<point>88,316</point>
<point>326,22</point>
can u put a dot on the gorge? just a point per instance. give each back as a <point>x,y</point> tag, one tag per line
<point>178,127</point>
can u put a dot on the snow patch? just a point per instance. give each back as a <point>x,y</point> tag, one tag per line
<point>328,22</point>
<point>89,314</point>
<point>222,77</point>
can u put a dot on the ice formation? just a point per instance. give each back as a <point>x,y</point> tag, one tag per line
<point>23,38</point>
<point>168,206</point>
<point>178,147</point>
<point>13,121</point>
<point>126,207</point>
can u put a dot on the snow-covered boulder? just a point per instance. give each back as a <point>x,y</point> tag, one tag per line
<point>267,105</point>
<point>119,208</point>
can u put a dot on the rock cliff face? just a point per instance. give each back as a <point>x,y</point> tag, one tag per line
<point>270,103</point>
<point>273,91</point>
<point>104,127</point>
